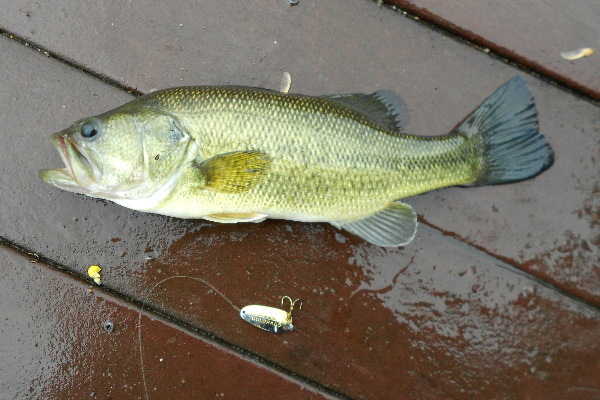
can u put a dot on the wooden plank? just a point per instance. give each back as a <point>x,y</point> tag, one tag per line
<point>62,338</point>
<point>532,33</point>
<point>452,324</point>
<point>535,225</point>
<point>434,320</point>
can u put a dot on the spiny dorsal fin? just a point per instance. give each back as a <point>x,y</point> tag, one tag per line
<point>395,225</point>
<point>384,107</point>
<point>234,172</point>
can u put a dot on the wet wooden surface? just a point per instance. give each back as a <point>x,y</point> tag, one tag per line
<point>496,297</point>
<point>532,34</point>
<point>70,339</point>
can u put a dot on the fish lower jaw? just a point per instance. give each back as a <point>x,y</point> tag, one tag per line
<point>56,173</point>
<point>61,178</point>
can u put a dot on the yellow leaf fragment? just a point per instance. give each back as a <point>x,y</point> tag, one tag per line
<point>576,54</point>
<point>94,273</point>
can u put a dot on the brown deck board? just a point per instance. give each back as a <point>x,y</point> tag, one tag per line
<point>431,321</point>
<point>456,322</point>
<point>530,225</point>
<point>532,34</point>
<point>55,346</point>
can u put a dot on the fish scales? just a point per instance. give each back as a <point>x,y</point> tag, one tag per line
<point>329,162</point>
<point>237,154</point>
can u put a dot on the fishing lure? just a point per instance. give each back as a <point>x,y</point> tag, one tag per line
<point>268,318</point>
<point>271,319</point>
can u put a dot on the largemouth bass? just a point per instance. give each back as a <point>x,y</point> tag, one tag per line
<point>239,154</point>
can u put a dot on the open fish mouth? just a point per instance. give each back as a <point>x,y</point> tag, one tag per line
<point>79,171</point>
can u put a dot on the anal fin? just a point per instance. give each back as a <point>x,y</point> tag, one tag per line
<point>396,225</point>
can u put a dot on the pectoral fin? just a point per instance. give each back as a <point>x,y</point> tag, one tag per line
<point>233,218</point>
<point>396,225</point>
<point>234,172</point>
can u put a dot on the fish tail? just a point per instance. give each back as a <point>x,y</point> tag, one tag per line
<point>505,130</point>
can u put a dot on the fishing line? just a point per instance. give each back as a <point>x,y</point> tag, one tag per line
<point>142,309</point>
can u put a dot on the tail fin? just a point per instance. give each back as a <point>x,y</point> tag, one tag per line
<point>506,124</point>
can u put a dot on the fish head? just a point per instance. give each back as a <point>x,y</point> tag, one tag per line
<point>126,154</point>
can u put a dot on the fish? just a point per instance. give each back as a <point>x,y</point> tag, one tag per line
<point>232,154</point>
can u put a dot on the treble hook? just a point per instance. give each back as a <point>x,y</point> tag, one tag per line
<point>292,304</point>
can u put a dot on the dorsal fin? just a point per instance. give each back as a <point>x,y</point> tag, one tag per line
<point>384,107</point>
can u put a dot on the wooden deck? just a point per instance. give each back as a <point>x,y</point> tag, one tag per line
<point>497,297</point>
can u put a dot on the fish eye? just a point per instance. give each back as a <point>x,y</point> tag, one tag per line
<point>90,129</point>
